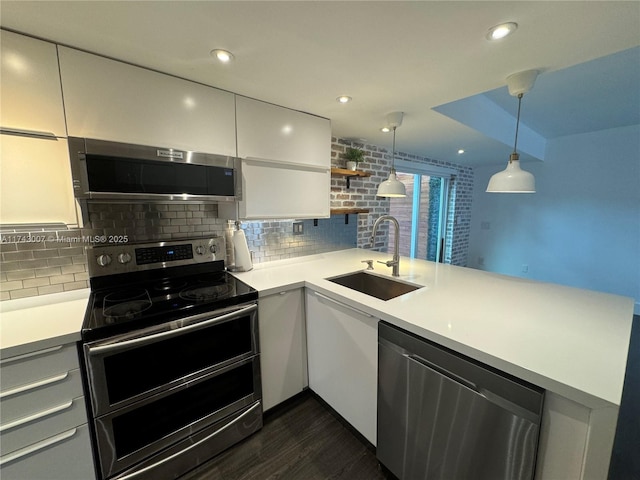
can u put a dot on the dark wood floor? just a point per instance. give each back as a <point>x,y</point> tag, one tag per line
<point>303,441</point>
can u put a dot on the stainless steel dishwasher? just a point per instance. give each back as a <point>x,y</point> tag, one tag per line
<point>444,416</point>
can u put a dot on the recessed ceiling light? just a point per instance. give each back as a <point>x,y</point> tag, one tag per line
<point>461,151</point>
<point>385,129</point>
<point>501,31</point>
<point>224,56</point>
<point>344,99</point>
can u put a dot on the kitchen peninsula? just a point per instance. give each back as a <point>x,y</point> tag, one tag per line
<point>571,342</point>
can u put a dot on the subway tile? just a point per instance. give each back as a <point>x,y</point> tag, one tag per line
<point>27,292</point>
<point>36,282</point>
<point>75,286</point>
<point>13,256</point>
<point>81,276</point>
<point>57,262</point>
<point>72,269</point>
<point>47,272</point>
<point>79,259</point>
<point>49,289</point>
<point>4,296</point>
<point>7,286</point>
<point>20,275</point>
<point>26,264</point>
<point>50,253</point>
<point>54,280</point>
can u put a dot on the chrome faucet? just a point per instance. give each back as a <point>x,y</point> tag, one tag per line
<point>395,262</point>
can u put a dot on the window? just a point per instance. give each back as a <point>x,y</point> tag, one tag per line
<point>422,213</point>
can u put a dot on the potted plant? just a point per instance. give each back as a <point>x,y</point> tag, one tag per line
<point>353,156</point>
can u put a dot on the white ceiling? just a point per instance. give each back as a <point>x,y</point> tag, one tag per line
<point>408,56</point>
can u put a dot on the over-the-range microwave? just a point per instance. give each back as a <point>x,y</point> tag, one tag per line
<point>105,170</point>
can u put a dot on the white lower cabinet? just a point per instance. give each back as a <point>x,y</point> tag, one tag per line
<point>342,345</point>
<point>44,432</point>
<point>283,352</point>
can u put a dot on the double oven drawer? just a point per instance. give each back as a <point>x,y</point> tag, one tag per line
<point>153,388</point>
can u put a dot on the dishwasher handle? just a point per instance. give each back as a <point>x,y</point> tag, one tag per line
<point>501,402</point>
<point>442,371</point>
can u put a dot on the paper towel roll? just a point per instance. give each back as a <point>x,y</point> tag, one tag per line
<point>242,255</point>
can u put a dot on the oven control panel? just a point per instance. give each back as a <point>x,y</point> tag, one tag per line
<point>127,258</point>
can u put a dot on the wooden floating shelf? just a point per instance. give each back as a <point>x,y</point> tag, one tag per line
<point>347,211</point>
<point>349,174</point>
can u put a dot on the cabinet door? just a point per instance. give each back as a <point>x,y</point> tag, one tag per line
<point>35,181</point>
<point>30,87</point>
<point>342,345</point>
<point>270,132</point>
<point>111,100</point>
<point>283,352</point>
<point>271,190</point>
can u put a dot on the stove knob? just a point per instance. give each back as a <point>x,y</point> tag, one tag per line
<point>124,258</point>
<point>200,250</point>
<point>213,248</point>
<point>103,260</point>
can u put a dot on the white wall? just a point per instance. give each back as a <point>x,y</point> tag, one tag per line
<point>581,228</point>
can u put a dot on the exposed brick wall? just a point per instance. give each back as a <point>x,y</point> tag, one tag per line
<point>362,194</point>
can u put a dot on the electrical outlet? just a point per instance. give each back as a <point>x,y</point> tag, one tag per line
<point>298,228</point>
<point>485,225</point>
<point>525,268</point>
<point>481,261</point>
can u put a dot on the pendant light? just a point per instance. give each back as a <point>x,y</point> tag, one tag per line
<point>513,179</point>
<point>392,187</point>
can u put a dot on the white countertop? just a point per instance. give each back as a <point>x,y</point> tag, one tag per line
<point>572,342</point>
<point>35,323</point>
<point>569,341</point>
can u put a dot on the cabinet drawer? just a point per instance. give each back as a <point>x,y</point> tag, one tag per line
<point>66,456</point>
<point>26,431</point>
<point>40,396</point>
<point>32,367</point>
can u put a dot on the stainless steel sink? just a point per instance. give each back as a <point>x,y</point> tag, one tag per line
<point>383,288</point>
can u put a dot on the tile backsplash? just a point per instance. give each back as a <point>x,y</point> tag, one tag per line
<point>38,260</point>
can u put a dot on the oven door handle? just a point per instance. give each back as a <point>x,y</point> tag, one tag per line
<point>190,447</point>
<point>140,341</point>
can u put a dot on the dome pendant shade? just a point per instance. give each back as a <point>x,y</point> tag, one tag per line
<point>512,179</point>
<point>392,187</point>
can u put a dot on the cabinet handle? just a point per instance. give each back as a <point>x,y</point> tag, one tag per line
<point>32,354</point>
<point>31,449</point>
<point>31,386</point>
<point>359,312</point>
<point>284,163</point>
<point>29,133</point>
<point>36,416</point>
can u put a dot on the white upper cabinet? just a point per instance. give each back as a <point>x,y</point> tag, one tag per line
<point>30,88</point>
<point>35,181</point>
<point>111,100</point>
<point>270,132</point>
<point>271,190</point>
<point>286,162</point>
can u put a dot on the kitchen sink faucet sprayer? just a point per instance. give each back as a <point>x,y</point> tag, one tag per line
<point>395,262</point>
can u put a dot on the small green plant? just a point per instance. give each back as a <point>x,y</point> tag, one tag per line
<point>354,155</point>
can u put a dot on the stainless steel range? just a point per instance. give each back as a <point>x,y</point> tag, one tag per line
<point>171,357</point>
